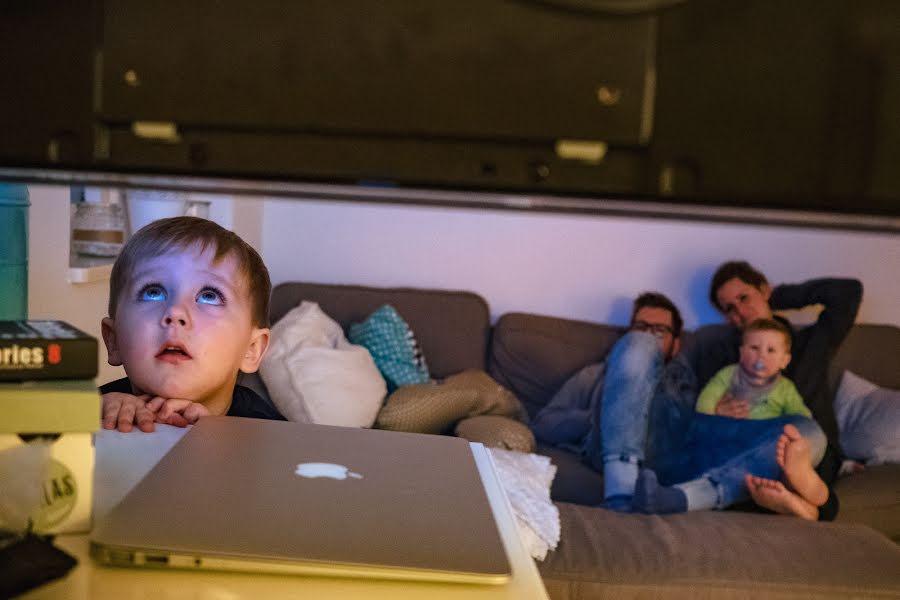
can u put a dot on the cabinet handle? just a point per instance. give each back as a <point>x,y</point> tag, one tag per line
<point>130,77</point>
<point>160,131</point>
<point>608,95</point>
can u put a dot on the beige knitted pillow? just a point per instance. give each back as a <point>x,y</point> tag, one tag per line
<point>497,431</point>
<point>437,407</point>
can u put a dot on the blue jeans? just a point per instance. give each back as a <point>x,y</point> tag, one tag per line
<point>647,416</point>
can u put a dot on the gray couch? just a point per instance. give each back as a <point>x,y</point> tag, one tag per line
<point>710,554</point>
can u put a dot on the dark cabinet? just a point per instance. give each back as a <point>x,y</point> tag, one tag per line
<point>46,70</point>
<point>759,103</point>
<point>469,69</point>
<point>468,93</point>
<point>782,102</point>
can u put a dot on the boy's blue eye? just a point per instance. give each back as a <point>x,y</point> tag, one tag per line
<point>152,292</point>
<point>211,296</point>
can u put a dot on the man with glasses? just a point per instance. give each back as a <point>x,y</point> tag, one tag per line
<point>593,414</point>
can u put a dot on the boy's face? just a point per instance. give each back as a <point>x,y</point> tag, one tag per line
<point>764,354</point>
<point>183,328</point>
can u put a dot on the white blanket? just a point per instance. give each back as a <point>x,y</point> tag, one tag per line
<point>526,478</point>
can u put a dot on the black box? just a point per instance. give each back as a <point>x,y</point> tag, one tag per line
<point>46,350</point>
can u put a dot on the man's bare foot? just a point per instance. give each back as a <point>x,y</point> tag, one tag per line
<point>793,456</point>
<point>772,494</point>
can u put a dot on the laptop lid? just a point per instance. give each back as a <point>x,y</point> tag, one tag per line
<point>273,496</point>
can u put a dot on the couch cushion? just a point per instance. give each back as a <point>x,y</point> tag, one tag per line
<point>868,419</point>
<point>436,407</point>
<point>870,351</point>
<point>496,431</point>
<point>575,481</point>
<point>452,327</point>
<point>872,498</point>
<point>314,375</point>
<point>533,355</point>
<point>711,554</point>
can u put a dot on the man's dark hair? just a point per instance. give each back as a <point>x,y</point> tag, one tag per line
<point>657,300</point>
<point>740,269</point>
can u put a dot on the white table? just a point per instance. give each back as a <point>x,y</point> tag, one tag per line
<point>122,462</point>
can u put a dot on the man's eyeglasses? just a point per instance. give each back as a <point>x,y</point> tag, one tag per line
<point>657,329</point>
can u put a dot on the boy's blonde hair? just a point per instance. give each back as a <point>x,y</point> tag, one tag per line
<point>770,325</point>
<point>181,233</point>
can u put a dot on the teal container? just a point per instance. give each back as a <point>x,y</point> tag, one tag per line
<point>13,251</point>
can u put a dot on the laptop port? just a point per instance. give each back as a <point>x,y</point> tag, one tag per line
<point>120,557</point>
<point>155,560</point>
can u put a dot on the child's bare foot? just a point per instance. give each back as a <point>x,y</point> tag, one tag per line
<point>793,456</point>
<point>772,494</point>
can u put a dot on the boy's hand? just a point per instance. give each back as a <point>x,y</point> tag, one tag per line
<point>121,411</point>
<point>179,413</point>
<point>729,406</point>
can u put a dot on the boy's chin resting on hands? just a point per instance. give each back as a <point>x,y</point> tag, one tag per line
<point>123,411</point>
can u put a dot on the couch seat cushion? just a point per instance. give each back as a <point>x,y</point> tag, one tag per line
<point>872,498</point>
<point>712,554</point>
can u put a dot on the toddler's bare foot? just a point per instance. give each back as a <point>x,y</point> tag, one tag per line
<point>772,494</point>
<point>793,456</point>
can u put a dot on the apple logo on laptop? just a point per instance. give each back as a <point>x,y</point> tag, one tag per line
<point>330,470</point>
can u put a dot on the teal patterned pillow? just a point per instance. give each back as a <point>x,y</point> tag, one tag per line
<point>393,346</point>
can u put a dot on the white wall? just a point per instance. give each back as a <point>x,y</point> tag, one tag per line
<point>572,266</point>
<point>582,267</point>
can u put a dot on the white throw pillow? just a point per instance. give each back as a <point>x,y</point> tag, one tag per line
<point>868,418</point>
<point>314,375</point>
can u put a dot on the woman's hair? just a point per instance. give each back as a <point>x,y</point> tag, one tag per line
<point>740,269</point>
<point>181,233</point>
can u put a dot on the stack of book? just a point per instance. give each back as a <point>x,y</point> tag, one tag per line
<point>48,391</point>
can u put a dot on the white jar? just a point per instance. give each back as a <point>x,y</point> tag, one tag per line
<point>98,229</point>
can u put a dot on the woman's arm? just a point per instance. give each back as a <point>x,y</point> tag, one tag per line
<point>840,299</point>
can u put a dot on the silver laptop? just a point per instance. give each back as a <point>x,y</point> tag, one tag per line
<point>242,494</point>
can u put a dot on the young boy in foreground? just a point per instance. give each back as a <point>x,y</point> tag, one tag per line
<point>188,310</point>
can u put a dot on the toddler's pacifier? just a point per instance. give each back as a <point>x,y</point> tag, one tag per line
<point>759,365</point>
